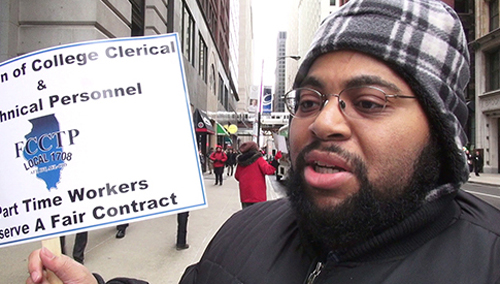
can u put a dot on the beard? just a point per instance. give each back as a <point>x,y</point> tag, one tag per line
<point>368,212</point>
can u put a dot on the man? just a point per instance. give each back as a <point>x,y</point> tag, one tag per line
<point>478,162</point>
<point>376,148</point>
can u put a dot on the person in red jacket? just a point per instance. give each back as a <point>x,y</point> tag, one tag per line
<point>251,170</point>
<point>219,158</point>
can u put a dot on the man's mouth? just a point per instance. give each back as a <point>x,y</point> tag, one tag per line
<point>327,170</point>
<point>322,168</point>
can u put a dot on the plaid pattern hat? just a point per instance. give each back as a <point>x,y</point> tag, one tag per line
<point>423,41</point>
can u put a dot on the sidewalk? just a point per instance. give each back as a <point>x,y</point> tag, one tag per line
<point>148,250</point>
<point>486,179</point>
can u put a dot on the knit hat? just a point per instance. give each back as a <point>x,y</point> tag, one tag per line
<point>248,146</point>
<point>423,41</point>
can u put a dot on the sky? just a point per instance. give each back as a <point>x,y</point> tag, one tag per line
<point>269,18</point>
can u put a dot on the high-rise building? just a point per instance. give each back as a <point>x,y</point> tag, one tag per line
<point>279,83</point>
<point>303,23</point>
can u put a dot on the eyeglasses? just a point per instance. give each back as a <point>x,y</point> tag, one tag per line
<point>357,102</point>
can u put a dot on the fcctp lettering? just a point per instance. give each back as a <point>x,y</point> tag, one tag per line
<point>35,144</point>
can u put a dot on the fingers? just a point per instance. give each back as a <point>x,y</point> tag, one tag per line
<point>35,268</point>
<point>66,269</point>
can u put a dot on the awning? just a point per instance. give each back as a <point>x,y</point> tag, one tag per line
<point>202,122</point>
<point>221,130</point>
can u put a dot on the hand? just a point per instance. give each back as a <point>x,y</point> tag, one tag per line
<point>278,155</point>
<point>68,270</point>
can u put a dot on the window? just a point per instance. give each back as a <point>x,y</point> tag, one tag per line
<point>203,59</point>
<point>226,98</point>
<point>212,79</point>
<point>188,34</point>
<point>462,6</point>
<point>493,14</point>
<point>221,89</point>
<point>493,67</point>
<point>137,25</point>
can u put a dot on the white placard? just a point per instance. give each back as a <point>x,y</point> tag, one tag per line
<point>95,134</point>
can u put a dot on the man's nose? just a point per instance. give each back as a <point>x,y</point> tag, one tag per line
<point>331,123</point>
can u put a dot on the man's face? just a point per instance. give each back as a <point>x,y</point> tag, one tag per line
<point>337,147</point>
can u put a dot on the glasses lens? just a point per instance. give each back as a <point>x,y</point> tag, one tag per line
<point>291,101</point>
<point>304,102</point>
<point>362,102</point>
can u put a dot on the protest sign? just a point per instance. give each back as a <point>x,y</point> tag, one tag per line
<point>95,134</point>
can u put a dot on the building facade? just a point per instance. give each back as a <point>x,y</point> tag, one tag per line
<point>246,107</point>
<point>303,23</point>
<point>203,27</point>
<point>487,83</point>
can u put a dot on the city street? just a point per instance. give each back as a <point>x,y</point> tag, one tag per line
<point>489,193</point>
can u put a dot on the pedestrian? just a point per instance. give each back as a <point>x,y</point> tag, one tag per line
<point>231,161</point>
<point>376,136</point>
<point>251,171</point>
<point>478,162</point>
<point>78,247</point>
<point>201,157</point>
<point>210,163</point>
<point>469,160</point>
<point>219,159</point>
<point>182,220</point>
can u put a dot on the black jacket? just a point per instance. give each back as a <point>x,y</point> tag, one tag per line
<point>455,239</point>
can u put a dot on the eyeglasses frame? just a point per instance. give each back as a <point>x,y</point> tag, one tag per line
<point>325,98</point>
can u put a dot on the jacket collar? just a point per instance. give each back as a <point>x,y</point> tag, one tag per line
<point>403,238</point>
<point>248,158</point>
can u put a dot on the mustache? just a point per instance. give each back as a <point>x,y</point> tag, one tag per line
<point>356,163</point>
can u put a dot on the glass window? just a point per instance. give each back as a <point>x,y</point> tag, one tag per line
<point>221,90</point>
<point>137,25</point>
<point>226,98</point>
<point>203,59</point>
<point>493,70</point>
<point>493,15</point>
<point>188,34</point>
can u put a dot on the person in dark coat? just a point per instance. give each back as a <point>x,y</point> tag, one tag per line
<point>374,192</point>
<point>181,240</point>
<point>478,162</point>
<point>231,161</point>
<point>469,160</point>
<point>251,170</point>
<point>81,240</point>
<point>219,159</point>
<point>210,163</point>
